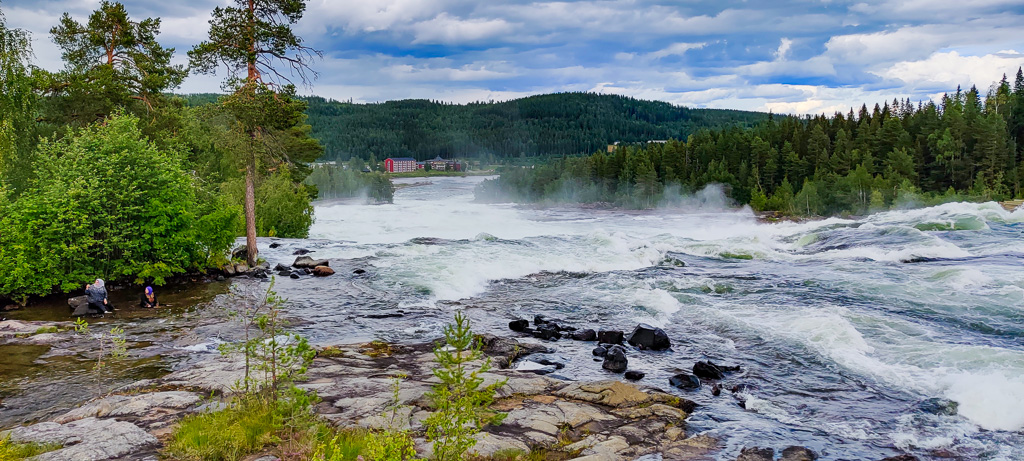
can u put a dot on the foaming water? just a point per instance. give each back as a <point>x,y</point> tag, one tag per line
<point>843,326</point>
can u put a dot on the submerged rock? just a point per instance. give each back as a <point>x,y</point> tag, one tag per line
<point>634,375</point>
<point>938,406</point>
<point>585,335</point>
<point>645,336</point>
<point>684,381</point>
<point>548,332</point>
<point>519,325</point>
<point>798,454</point>
<point>600,351</point>
<point>610,336</point>
<point>707,370</point>
<point>281,267</point>
<point>615,361</point>
<point>300,252</point>
<point>306,262</point>
<point>756,454</point>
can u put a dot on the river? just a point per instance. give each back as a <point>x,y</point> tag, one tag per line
<point>842,327</point>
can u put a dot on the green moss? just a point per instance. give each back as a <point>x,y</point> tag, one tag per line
<point>49,329</point>
<point>728,255</point>
<point>377,348</point>
<point>331,351</point>
<point>10,451</point>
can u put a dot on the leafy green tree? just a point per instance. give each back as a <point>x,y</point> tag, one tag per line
<point>17,107</point>
<point>111,62</point>
<point>106,202</point>
<point>249,38</point>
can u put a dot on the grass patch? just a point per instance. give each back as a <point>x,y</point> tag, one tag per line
<point>247,425</point>
<point>377,348</point>
<point>345,445</point>
<point>11,451</point>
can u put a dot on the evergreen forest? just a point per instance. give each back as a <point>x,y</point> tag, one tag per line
<point>965,147</point>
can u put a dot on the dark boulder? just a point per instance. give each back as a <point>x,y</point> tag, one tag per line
<point>359,271</point>
<point>540,319</point>
<point>600,351</point>
<point>937,406</point>
<point>684,381</point>
<point>634,375</point>
<point>707,370</point>
<point>306,262</point>
<point>275,245</point>
<point>645,336</point>
<point>240,252</point>
<point>798,454</point>
<point>756,454</point>
<point>716,390</point>
<point>294,275</point>
<point>610,336</point>
<point>285,273</point>
<point>615,361</point>
<point>281,267</point>
<point>301,251</point>
<point>519,325</point>
<point>548,333</point>
<point>79,305</point>
<point>220,278</point>
<point>584,335</point>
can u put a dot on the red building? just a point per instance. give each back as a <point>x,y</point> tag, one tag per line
<point>400,164</point>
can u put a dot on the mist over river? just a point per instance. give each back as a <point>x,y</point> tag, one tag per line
<point>843,327</point>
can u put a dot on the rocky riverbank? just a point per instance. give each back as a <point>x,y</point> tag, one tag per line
<point>598,420</point>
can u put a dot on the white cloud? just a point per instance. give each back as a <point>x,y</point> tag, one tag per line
<point>951,69</point>
<point>784,45</point>
<point>675,49</point>
<point>446,29</point>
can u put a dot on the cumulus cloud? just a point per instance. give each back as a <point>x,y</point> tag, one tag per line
<point>803,57</point>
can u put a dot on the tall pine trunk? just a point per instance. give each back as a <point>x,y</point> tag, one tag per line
<point>250,211</point>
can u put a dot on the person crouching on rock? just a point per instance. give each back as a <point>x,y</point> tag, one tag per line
<point>148,300</point>
<point>96,293</point>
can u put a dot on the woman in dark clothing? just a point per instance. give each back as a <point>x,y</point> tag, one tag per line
<point>96,293</point>
<point>148,299</point>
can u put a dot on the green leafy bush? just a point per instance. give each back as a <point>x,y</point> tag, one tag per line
<point>106,202</point>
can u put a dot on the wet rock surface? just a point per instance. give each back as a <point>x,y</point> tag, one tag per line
<point>88,439</point>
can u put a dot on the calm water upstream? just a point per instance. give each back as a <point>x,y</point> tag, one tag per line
<point>842,327</point>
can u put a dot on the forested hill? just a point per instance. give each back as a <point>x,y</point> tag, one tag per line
<point>551,124</point>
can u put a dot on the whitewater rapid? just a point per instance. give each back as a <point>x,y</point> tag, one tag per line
<point>843,326</point>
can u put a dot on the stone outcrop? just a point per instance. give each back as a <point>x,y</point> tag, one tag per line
<point>306,262</point>
<point>87,439</point>
<point>645,336</point>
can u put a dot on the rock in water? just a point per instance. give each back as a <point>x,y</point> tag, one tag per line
<point>610,336</point>
<point>79,305</point>
<point>615,361</point>
<point>634,375</point>
<point>756,454</point>
<point>548,331</point>
<point>937,406</point>
<point>519,325</point>
<point>301,251</point>
<point>309,263</point>
<point>707,370</point>
<point>322,271</point>
<point>798,454</point>
<point>275,245</point>
<point>600,351</point>
<point>281,267</point>
<point>585,335</point>
<point>684,381</point>
<point>645,336</point>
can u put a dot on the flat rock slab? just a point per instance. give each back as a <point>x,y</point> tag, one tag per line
<point>136,405</point>
<point>86,439</point>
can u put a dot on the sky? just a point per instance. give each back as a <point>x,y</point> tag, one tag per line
<point>786,56</point>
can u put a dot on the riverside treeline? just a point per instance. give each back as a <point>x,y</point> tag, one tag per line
<point>105,174</point>
<point>898,154</point>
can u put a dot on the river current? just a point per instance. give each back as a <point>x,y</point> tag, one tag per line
<point>844,328</point>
